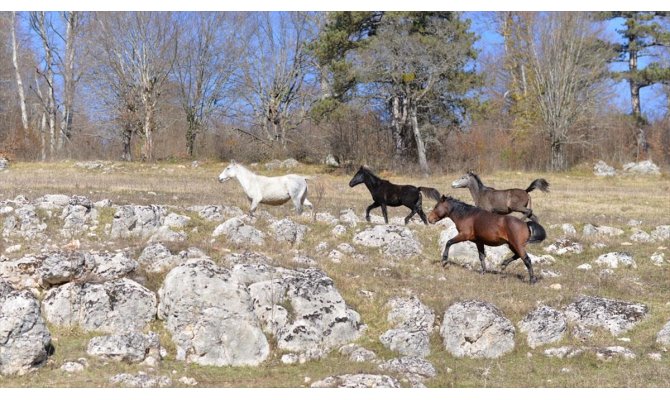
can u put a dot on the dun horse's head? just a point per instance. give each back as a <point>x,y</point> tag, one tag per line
<point>462,182</point>
<point>358,178</point>
<point>441,210</point>
<point>229,172</point>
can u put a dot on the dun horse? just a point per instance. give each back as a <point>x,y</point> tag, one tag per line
<point>275,190</point>
<point>385,193</point>
<point>486,228</point>
<point>501,201</point>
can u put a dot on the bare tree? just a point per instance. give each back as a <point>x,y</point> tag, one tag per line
<point>19,81</point>
<point>140,49</point>
<point>70,75</point>
<point>569,68</point>
<point>45,69</point>
<point>275,71</point>
<point>209,56</point>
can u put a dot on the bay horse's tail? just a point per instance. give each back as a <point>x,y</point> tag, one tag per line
<point>430,192</point>
<point>540,183</point>
<point>537,232</point>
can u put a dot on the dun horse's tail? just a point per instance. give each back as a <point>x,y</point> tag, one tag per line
<point>430,192</point>
<point>537,232</point>
<point>540,183</point>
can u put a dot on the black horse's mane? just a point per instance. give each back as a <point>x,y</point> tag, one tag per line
<point>375,180</point>
<point>460,208</point>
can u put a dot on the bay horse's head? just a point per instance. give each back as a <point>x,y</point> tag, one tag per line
<point>359,177</point>
<point>442,209</point>
<point>464,181</point>
<point>229,172</point>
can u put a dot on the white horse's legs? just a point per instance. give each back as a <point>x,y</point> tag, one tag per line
<point>301,200</point>
<point>254,205</point>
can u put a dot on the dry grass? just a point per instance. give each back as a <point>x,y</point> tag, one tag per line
<point>576,197</point>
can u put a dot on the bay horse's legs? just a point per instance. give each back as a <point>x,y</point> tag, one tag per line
<point>482,256</point>
<point>507,261</point>
<point>370,207</point>
<point>445,254</point>
<point>386,216</point>
<point>531,278</point>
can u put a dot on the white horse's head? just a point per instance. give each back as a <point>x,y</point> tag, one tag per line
<point>229,172</point>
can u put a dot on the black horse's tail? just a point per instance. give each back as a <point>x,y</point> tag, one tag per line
<point>537,232</point>
<point>430,192</point>
<point>540,183</point>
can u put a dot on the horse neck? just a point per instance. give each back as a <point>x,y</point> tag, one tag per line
<point>245,178</point>
<point>476,189</point>
<point>371,181</point>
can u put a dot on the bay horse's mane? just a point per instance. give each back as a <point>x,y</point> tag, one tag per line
<point>459,208</point>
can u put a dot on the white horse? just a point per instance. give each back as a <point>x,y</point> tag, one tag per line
<point>275,190</point>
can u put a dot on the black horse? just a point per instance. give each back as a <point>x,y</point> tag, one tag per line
<point>385,193</point>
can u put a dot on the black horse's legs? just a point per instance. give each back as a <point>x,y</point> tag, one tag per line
<point>482,256</point>
<point>370,207</point>
<point>532,279</point>
<point>386,216</point>
<point>409,217</point>
<point>422,215</point>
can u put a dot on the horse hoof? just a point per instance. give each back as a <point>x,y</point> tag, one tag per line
<point>533,280</point>
<point>444,263</point>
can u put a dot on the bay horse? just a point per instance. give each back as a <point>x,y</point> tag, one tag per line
<point>272,190</point>
<point>486,228</point>
<point>501,201</point>
<point>385,193</point>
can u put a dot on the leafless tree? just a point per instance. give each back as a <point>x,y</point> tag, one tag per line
<point>209,56</point>
<point>275,71</point>
<point>569,71</point>
<point>140,50</point>
<point>17,70</point>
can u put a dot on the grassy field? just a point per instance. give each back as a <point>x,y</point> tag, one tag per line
<point>576,197</point>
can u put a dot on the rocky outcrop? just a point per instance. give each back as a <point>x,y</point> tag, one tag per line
<point>595,230</point>
<point>25,341</point>
<point>616,316</point>
<point>210,316</point>
<point>23,222</point>
<point>357,381</point>
<point>543,325</point>
<point>602,169</point>
<point>130,347</point>
<point>413,323</point>
<point>476,329</point>
<point>397,241</point>
<point>615,260</point>
<point>646,167</point>
<point>564,246</point>
<point>416,370</point>
<point>238,232</point>
<point>663,336</point>
<point>140,380</point>
<point>286,230</point>
<point>116,306</point>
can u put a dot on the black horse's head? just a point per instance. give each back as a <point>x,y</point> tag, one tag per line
<point>359,177</point>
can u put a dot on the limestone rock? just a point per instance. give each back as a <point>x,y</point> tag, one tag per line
<point>357,381</point>
<point>614,315</point>
<point>137,221</point>
<point>615,260</point>
<point>288,231</point>
<point>140,380</point>
<point>663,336</point>
<point>413,322</point>
<point>397,241</point>
<point>646,167</point>
<point>564,246</point>
<point>602,169</point>
<point>238,232</point>
<point>543,325</point>
<point>131,347</point>
<point>476,329</point>
<point>115,306</point>
<point>25,341</point>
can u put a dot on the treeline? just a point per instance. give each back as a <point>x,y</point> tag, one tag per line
<point>390,89</point>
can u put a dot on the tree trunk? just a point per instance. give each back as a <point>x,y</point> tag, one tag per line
<point>559,161</point>
<point>420,147</point>
<point>191,131</point>
<point>19,81</point>
<point>399,125</point>
<point>642,143</point>
<point>148,148</point>
<point>126,137</point>
<point>68,78</point>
